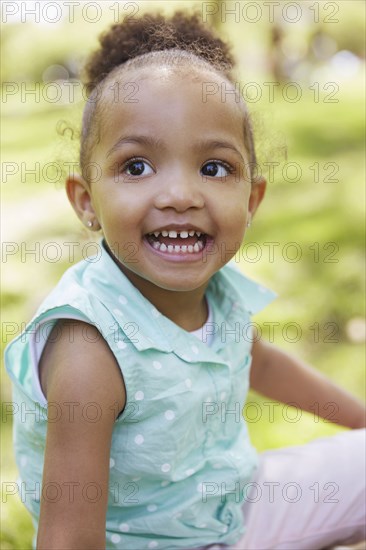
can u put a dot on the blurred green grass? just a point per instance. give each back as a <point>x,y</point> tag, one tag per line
<point>309,292</point>
<point>304,212</point>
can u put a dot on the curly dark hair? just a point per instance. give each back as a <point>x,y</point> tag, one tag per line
<point>152,33</point>
<point>154,38</point>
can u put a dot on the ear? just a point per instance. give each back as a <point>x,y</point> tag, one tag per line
<point>256,195</point>
<point>79,195</point>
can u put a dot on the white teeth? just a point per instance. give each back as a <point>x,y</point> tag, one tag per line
<point>170,248</point>
<point>174,234</point>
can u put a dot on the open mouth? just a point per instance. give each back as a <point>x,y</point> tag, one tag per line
<point>178,242</point>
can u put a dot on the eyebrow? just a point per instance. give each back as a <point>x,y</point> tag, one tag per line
<point>141,140</point>
<point>215,144</point>
<point>153,142</point>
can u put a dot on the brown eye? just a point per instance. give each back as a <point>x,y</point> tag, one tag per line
<point>214,169</point>
<point>137,167</point>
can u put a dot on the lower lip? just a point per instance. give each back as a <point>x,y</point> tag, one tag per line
<point>180,256</point>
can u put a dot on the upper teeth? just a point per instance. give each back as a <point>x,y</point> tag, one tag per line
<point>174,234</point>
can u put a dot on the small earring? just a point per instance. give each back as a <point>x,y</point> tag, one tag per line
<point>89,223</point>
<point>249,222</point>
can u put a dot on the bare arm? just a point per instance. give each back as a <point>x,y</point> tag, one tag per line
<point>84,381</point>
<point>282,377</point>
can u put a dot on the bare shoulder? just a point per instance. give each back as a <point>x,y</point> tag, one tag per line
<point>77,358</point>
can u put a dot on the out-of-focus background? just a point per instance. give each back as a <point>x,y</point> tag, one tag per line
<point>301,69</point>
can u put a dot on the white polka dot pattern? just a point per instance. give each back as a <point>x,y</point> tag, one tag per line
<point>169,415</point>
<point>121,344</point>
<point>188,383</point>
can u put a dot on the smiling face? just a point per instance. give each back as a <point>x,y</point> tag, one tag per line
<point>173,198</point>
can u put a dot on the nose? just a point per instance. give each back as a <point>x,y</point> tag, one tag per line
<point>180,191</point>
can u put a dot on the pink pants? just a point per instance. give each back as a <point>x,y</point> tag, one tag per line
<point>307,497</point>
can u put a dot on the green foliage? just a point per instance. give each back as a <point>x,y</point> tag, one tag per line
<point>313,290</point>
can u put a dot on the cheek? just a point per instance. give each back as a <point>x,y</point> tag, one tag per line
<point>235,211</point>
<point>234,221</point>
<point>237,225</point>
<point>122,210</point>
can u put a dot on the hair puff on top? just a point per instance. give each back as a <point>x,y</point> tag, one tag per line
<point>154,32</point>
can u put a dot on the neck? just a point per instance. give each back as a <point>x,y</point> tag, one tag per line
<point>187,309</point>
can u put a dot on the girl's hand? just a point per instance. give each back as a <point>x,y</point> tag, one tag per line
<point>76,373</point>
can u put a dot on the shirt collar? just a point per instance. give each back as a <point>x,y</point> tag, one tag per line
<point>232,297</point>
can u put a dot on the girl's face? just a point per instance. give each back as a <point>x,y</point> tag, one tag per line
<point>173,198</point>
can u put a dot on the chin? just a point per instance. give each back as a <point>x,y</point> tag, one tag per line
<point>183,285</point>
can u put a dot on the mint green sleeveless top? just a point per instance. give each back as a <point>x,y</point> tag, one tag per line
<point>180,456</point>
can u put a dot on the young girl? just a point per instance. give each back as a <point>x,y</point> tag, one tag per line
<point>133,367</point>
